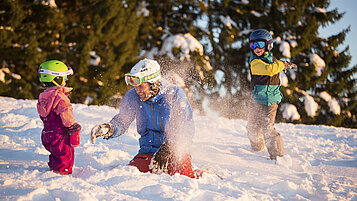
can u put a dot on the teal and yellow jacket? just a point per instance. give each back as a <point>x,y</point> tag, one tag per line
<point>265,72</point>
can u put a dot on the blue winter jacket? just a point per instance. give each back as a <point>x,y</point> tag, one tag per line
<point>168,115</point>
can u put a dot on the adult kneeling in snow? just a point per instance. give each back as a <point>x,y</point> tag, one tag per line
<point>163,117</point>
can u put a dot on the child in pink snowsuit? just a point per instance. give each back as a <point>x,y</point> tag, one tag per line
<point>60,133</point>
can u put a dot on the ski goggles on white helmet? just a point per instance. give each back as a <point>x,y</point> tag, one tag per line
<point>61,74</point>
<point>135,80</point>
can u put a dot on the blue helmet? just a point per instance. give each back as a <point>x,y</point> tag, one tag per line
<point>262,35</point>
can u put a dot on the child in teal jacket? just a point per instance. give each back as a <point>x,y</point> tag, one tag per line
<point>266,94</point>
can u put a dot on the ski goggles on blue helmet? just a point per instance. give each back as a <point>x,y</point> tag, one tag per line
<point>257,44</point>
<point>135,80</point>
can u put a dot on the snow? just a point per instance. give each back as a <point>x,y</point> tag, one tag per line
<point>310,105</point>
<point>50,3</point>
<point>320,162</point>
<point>332,102</point>
<point>324,95</point>
<point>95,59</point>
<point>2,76</point>
<point>143,10</point>
<point>151,54</point>
<point>284,47</point>
<point>318,62</point>
<point>4,71</point>
<point>334,106</point>
<point>289,112</point>
<point>245,2</point>
<point>284,81</point>
<point>319,10</point>
<point>228,21</point>
<point>186,42</point>
<point>256,14</point>
<point>293,43</point>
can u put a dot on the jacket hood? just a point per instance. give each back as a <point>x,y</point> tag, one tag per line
<point>49,99</point>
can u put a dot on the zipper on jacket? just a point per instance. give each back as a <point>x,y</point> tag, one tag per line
<point>160,117</point>
<point>160,124</point>
<point>153,115</point>
<point>153,120</point>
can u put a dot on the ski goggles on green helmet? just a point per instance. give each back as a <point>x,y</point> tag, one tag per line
<point>135,80</point>
<point>257,44</point>
<point>61,74</point>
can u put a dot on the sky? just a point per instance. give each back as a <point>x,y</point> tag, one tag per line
<point>349,19</point>
<point>319,163</point>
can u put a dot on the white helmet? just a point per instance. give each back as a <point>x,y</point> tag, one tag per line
<point>146,70</point>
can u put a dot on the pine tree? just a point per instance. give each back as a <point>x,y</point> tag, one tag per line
<point>102,40</point>
<point>76,32</point>
<point>323,72</point>
<point>294,24</point>
<point>101,46</point>
<point>29,34</point>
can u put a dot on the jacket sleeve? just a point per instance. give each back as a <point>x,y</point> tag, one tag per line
<point>65,110</point>
<point>259,67</point>
<point>126,115</point>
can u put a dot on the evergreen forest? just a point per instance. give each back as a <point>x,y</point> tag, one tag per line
<point>102,39</point>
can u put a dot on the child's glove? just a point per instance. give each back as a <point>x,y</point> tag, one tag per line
<point>161,158</point>
<point>74,136</point>
<point>106,130</point>
<point>289,65</point>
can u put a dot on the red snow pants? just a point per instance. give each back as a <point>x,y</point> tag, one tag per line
<point>55,139</point>
<point>183,167</point>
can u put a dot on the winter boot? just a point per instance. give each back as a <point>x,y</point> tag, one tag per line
<point>275,146</point>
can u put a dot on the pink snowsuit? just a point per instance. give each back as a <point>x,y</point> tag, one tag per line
<point>55,111</point>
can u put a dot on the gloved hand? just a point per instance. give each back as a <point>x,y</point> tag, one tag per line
<point>161,158</point>
<point>106,130</point>
<point>74,134</point>
<point>76,127</point>
<point>289,65</point>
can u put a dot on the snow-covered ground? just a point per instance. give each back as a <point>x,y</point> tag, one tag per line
<point>321,162</point>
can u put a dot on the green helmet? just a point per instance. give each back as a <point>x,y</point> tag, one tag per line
<point>49,70</point>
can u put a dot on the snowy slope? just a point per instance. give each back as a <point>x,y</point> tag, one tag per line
<point>321,162</point>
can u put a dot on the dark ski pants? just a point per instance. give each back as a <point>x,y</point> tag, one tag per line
<point>261,129</point>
